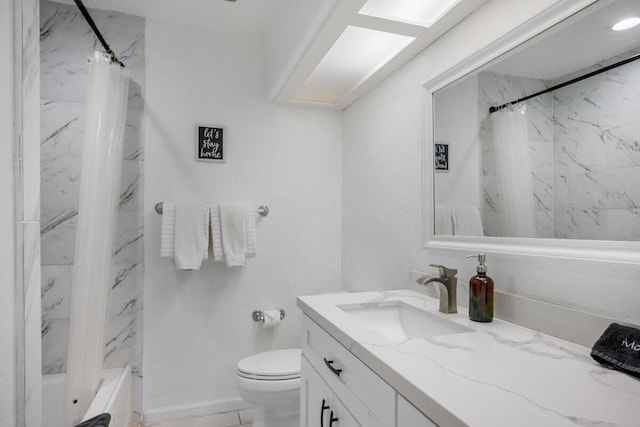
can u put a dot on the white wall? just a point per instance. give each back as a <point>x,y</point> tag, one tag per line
<point>8,401</point>
<point>457,118</point>
<point>198,324</point>
<point>382,190</point>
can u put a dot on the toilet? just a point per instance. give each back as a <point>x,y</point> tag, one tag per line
<point>271,382</point>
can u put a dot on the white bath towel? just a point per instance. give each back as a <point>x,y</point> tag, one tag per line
<point>234,233</point>
<point>467,221</point>
<point>443,218</point>
<point>189,241</point>
<point>250,225</point>
<point>167,229</point>
<point>206,214</point>
<point>216,234</point>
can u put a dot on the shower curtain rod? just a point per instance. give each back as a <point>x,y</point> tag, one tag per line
<point>92,24</point>
<point>567,83</point>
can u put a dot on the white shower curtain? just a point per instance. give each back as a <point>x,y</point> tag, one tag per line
<point>105,113</point>
<point>513,170</point>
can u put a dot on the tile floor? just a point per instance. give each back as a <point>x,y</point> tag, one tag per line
<point>242,418</point>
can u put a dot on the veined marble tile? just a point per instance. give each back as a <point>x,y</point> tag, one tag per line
<point>55,340</point>
<point>584,101</point>
<point>585,224</point>
<point>131,186</point>
<point>61,177</point>
<point>56,291</point>
<point>623,93</point>
<point>623,146</point>
<point>622,189</point>
<point>133,144</point>
<point>120,336</point>
<point>60,182</point>
<point>623,224</point>
<point>544,224</point>
<point>581,153</point>
<point>63,25</point>
<point>61,128</point>
<point>58,234</point>
<point>129,243</point>
<point>65,72</point>
<point>125,294</point>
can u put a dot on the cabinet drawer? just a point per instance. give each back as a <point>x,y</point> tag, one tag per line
<point>363,392</point>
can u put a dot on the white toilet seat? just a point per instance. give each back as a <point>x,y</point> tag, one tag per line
<point>277,365</point>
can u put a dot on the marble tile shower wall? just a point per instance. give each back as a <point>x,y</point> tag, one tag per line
<point>597,156</point>
<point>66,43</point>
<point>497,89</point>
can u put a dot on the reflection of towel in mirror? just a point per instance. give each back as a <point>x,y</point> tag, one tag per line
<point>467,221</point>
<point>443,220</point>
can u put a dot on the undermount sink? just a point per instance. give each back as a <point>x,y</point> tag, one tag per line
<point>399,322</point>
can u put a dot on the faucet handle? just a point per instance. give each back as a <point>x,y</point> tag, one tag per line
<point>445,271</point>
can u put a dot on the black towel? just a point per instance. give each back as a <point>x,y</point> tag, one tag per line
<point>101,420</point>
<point>619,348</point>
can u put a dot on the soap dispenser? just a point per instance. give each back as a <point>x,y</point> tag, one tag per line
<point>480,293</point>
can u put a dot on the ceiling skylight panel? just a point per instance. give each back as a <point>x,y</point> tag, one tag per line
<point>418,12</point>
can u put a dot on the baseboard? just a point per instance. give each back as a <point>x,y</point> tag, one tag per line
<point>573,325</point>
<point>199,409</point>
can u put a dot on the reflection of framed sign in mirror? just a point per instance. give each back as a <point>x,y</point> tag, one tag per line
<point>441,157</point>
<point>210,144</point>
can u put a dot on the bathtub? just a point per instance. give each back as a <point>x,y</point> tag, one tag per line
<point>113,396</point>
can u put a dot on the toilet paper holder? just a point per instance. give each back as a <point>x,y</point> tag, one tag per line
<point>258,315</point>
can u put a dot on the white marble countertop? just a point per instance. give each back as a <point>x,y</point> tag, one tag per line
<point>499,375</point>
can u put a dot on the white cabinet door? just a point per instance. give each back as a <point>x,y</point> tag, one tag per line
<point>315,397</point>
<point>339,416</point>
<point>319,407</point>
<point>409,416</point>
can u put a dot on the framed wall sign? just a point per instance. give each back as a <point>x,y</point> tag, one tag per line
<point>441,157</point>
<point>210,144</point>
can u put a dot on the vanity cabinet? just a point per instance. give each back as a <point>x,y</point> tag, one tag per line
<point>320,406</point>
<point>335,382</point>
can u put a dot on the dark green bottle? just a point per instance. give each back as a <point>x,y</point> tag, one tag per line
<point>481,293</point>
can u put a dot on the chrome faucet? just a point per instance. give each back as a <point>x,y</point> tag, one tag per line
<point>446,284</point>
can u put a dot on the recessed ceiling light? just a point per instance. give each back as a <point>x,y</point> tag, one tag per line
<point>625,24</point>
<point>419,12</point>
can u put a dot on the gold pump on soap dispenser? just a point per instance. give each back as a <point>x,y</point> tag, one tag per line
<point>480,293</point>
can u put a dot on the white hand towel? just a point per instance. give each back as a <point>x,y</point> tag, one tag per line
<point>189,242</point>
<point>216,234</point>
<point>233,227</point>
<point>206,213</point>
<point>250,224</point>
<point>167,229</point>
<point>467,221</point>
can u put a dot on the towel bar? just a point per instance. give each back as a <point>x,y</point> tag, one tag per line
<point>262,210</point>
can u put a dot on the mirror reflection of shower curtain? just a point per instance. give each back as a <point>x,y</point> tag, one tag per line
<point>105,113</point>
<point>513,172</point>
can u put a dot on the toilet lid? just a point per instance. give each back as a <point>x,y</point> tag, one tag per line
<point>271,365</point>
